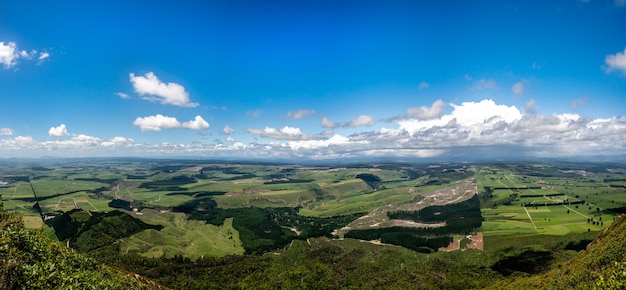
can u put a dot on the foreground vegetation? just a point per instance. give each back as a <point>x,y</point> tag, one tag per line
<point>29,260</point>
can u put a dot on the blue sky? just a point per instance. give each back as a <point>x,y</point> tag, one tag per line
<point>312,79</point>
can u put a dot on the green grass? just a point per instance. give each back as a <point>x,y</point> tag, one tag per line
<point>66,202</point>
<point>188,238</point>
<point>49,187</point>
<point>554,220</point>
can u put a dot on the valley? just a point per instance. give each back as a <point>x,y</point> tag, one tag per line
<point>185,212</point>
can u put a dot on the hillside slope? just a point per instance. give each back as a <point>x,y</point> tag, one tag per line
<point>30,260</point>
<point>602,265</point>
<point>87,231</point>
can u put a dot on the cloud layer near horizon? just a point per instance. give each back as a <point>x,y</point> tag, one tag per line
<point>420,133</point>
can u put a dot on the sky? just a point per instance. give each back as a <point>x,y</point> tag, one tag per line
<point>313,80</point>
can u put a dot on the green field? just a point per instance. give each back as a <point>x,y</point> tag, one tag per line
<point>535,199</point>
<point>183,195</point>
<point>183,237</point>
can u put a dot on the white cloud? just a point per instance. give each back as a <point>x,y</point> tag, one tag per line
<point>620,3</point>
<point>117,141</point>
<point>529,107</point>
<point>58,131</point>
<point>6,131</point>
<point>43,55</point>
<point>85,138</point>
<point>424,85</point>
<point>197,124</point>
<point>23,140</point>
<point>156,123</point>
<point>484,84</point>
<point>426,113</point>
<point>518,88</point>
<point>327,132</point>
<point>299,114</point>
<point>363,120</point>
<point>415,153</point>
<point>616,62</point>
<point>8,54</point>
<point>312,144</point>
<point>151,88</point>
<point>286,133</point>
<point>227,130</point>
<point>328,123</point>
<point>466,121</point>
<point>122,95</point>
<point>471,130</point>
<point>473,113</point>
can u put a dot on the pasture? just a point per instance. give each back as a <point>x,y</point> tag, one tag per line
<point>183,237</point>
<point>516,199</point>
<point>542,200</point>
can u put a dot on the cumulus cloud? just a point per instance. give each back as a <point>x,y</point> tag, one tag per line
<point>286,133</point>
<point>85,138</point>
<point>529,107</point>
<point>470,130</point>
<point>472,113</point>
<point>363,120</point>
<point>122,95</point>
<point>484,84</point>
<point>518,88</point>
<point>156,123</point>
<point>227,130</point>
<point>58,131</point>
<point>313,144</point>
<point>23,140</point>
<point>423,112</point>
<point>117,141</point>
<point>424,85</point>
<point>617,61</point>
<point>151,88</point>
<point>299,114</point>
<point>468,121</point>
<point>8,54</point>
<point>328,123</point>
<point>197,124</point>
<point>6,131</point>
<point>327,132</point>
